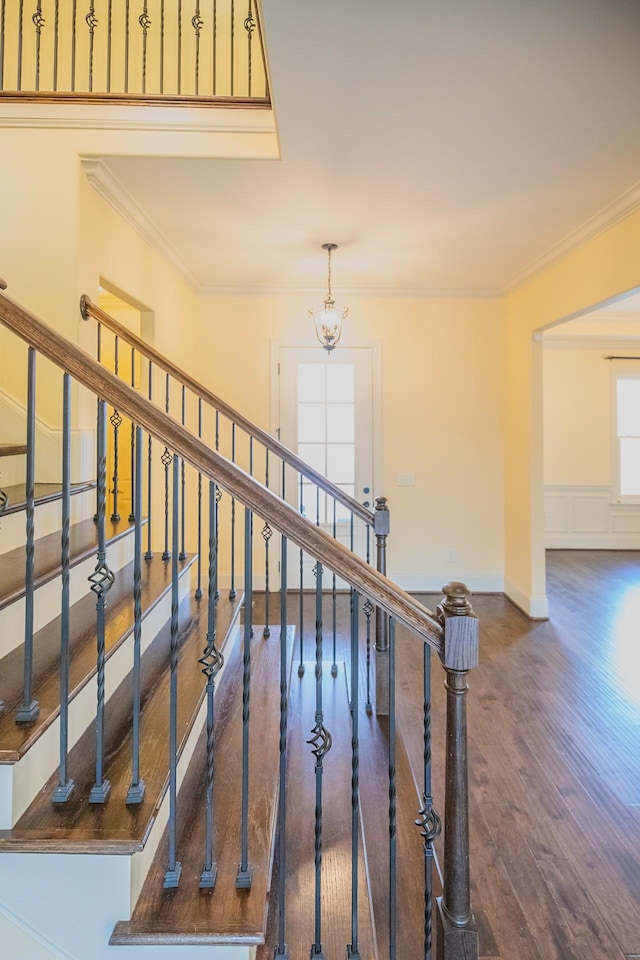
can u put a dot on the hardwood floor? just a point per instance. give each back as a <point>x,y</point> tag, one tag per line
<point>554,731</point>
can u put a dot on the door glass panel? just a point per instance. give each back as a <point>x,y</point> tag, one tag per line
<point>340,422</point>
<point>314,455</point>
<point>340,383</point>
<point>629,408</point>
<point>630,466</point>
<point>341,462</point>
<point>312,383</point>
<point>311,423</point>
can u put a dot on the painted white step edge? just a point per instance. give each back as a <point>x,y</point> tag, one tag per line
<point>21,781</point>
<point>48,519</point>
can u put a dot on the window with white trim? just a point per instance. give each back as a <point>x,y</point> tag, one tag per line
<point>626,437</point>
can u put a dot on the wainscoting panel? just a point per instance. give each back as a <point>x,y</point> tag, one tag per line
<point>583,517</point>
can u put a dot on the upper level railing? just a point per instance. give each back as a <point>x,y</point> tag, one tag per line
<point>188,52</point>
<point>452,632</point>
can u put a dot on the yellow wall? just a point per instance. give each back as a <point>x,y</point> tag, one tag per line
<point>596,273</point>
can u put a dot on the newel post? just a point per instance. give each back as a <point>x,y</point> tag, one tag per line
<point>457,932</point>
<point>381,529</point>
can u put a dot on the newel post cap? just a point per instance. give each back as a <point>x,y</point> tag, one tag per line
<point>382,517</point>
<point>3,284</point>
<point>84,306</point>
<point>461,628</point>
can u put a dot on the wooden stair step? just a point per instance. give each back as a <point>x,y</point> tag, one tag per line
<point>113,827</point>
<point>83,541</point>
<point>17,738</point>
<point>187,915</point>
<point>43,493</point>
<point>12,449</point>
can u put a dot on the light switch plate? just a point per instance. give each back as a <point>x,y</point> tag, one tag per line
<point>406,480</point>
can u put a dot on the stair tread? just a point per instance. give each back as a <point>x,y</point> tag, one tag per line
<point>112,827</point>
<point>17,738</point>
<point>224,914</point>
<point>43,493</point>
<point>12,449</point>
<point>83,541</point>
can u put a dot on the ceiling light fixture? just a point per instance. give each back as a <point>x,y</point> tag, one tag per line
<point>328,321</point>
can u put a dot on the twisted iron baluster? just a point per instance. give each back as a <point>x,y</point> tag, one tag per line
<point>101,581</point>
<point>39,22</point>
<point>215,47</point>
<point>183,553</point>
<point>74,35</point>
<point>197,23</point>
<point>3,17</point>
<point>92,23</point>
<point>368,610</point>
<point>301,662</point>
<point>266,535</point>
<point>428,821</point>
<point>243,877</point>
<point>109,27</point>
<point>166,459</point>
<point>179,62</point>
<point>145,22</point>
<point>56,37</point>
<point>392,790</point>
<point>198,593</point>
<point>20,22</point>
<point>334,665</point>
<point>174,869</point>
<point>116,422</point>
<point>149,554</point>
<point>136,504</point>
<point>65,786</point>
<point>29,709</point>
<point>232,590</point>
<point>162,46</point>
<point>320,743</point>
<point>211,661</point>
<point>136,790</point>
<point>280,952</point>
<point>233,44</point>
<point>126,48</point>
<point>249,25</point>
<point>352,948</point>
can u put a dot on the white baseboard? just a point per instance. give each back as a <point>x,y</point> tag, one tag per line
<point>536,608</point>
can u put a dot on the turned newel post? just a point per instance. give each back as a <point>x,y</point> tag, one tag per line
<point>381,528</point>
<point>457,933</point>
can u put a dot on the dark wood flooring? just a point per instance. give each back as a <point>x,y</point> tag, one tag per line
<point>554,731</point>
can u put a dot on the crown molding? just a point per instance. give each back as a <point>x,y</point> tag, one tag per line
<point>623,206</point>
<point>111,190</point>
<point>399,293</point>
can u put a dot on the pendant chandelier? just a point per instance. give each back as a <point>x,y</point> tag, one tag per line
<point>328,321</point>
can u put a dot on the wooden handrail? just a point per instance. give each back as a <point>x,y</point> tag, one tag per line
<point>89,309</point>
<point>364,578</point>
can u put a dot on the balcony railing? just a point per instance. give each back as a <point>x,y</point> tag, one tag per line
<point>119,51</point>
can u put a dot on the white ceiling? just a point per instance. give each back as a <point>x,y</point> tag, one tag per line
<point>445,145</point>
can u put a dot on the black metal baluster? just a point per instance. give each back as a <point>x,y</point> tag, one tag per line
<point>56,38</point>
<point>74,34</point>
<point>136,790</point>
<point>197,23</point>
<point>162,47</point>
<point>39,22</point>
<point>211,661</point>
<point>301,661</point>
<point>320,743</point>
<point>215,46</point>
<point>233,43</point>
<point>179,63</point>
<point>166,461</point>
<point>334,665</point>
<point>92,23</point>
<point>218,499</point>
<point>174,869</point>
<point>3,18</point>
<point>392,791</point>
<point>280,952</point>
<point>249,25</point>
<point>109,34</point>
<point>243,877</point>
<point>101,581</point>
<point>368,610</point>
<point>145,22</point>
<point>65,785</point>
<point>126,48</point>
<point>198,593</point>
<point>149,554</point>
<point>20,22</point>
<point>266,535</point>
<point>136,503</point>
<point>182,556</point>
<point>116,422</point>
<point>232,590</point>
<point>353,953</point>
<point>429,821</point>
<point>29,709</point>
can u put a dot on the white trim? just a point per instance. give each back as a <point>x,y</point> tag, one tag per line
<point>110,189</point>
<point>399,293</point>
<point>536,608</point>
<point>586,517</point>
<point>34,934</point>
<point>619,209</point>
<point>587,341</point>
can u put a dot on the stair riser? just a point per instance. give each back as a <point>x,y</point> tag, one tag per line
<point>47,596</point>
<point>48,519</point>
<point>21,781</point>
